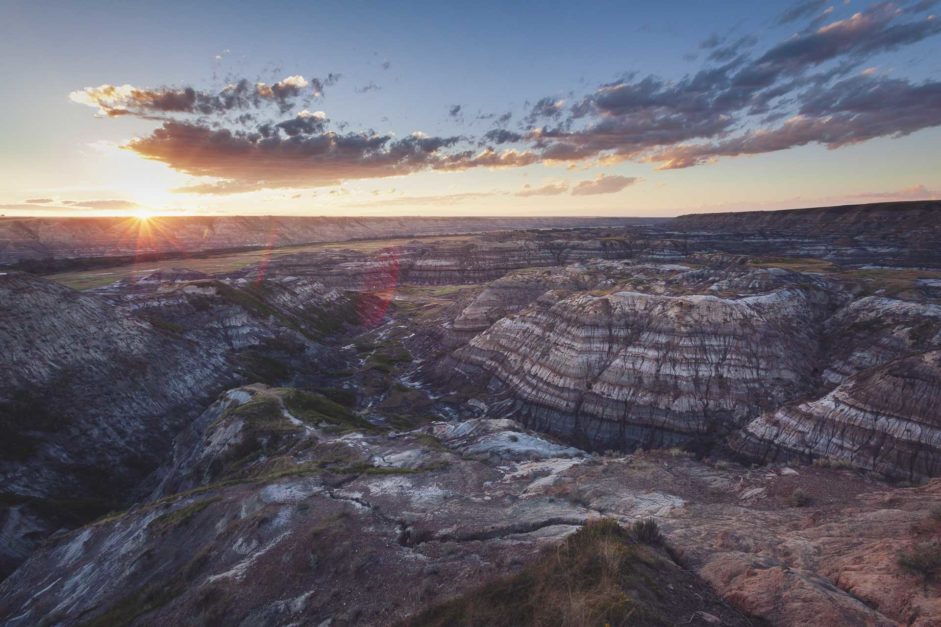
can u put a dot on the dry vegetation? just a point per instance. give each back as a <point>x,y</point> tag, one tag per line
<point>603,574</point>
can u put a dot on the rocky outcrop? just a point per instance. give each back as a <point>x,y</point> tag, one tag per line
<point>512,293</point>
<point>875,330</point>
<point>368,527</point>
<point>444,262</point>
<point>628,369</point>
<point>886,419</point>
<point>90,401</point>
<point>96,386</point>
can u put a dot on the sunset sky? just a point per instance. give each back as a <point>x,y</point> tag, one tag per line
<point>414,108</point>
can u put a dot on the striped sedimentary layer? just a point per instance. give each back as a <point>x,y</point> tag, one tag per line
<point>886,419</point>
<point>630,369</point>
<point>514,292</point>
<point>444,263</point>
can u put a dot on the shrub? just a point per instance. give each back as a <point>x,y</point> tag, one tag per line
<point>923,560</point>
<point>599,575</point>
<point>647,531</point>
<point>798,498</point>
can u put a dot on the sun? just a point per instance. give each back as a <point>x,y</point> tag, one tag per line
<point>143,215</point>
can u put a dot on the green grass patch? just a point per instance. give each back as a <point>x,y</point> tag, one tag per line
<point>263,413</point>
<point>796,264</point>
<point>317,409</point>
<point>386,358</point>
<point>165,325</point>
<point>181,516</point>
<point>259,367</point>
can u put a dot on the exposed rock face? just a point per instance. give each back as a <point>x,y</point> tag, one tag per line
<point>91,398</point>
<point>444,262</point>
<point>97,386</point>
<point>886,419</point>
<point>513,292</point>
<point>874,330</point>
<point>368,527</point>
<point>629,369</point>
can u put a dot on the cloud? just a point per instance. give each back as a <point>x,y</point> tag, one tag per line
<point>502,136</point>
<point>806,89</point>
<point>729,109</point>
<point>310,157</point>
<point>867,32</point>
<point>730,51</point>
<point>603,185</point>
<point>302,153</point>
<point>48,204</point>
<point>915,192</point>
<point>801,10</point>
<point>851,111</point>
<point>118,100</point>
<point>110,204</point>
<point>370,86</point>
<point>551,189</point>
<point>423,201</point>
<point>545,108</point>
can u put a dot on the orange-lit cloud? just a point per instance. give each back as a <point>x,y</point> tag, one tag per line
<point>603,185</point>
<point>803,90</point>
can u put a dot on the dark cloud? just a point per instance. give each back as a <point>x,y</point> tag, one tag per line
<point>385,65</point>
<point>603,185</point>
<point>651,119</point>
<point>800,10</point>
<point>370,86</point>
<point>727,52</point>
<point>545,109</point>
<point>710,42</point>
<point>118,100</point>
<point>850,112</point>
<point>865,33</point>
<point>305,123</point>
<point>319,84</point>
<point>502,136</point>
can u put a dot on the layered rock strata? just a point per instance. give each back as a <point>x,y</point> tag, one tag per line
<point>628,369</point>
<point>886,419</point>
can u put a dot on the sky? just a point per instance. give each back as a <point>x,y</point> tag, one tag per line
<point>487,108</point>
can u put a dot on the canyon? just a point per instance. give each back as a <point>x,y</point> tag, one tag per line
<point>364,420</point>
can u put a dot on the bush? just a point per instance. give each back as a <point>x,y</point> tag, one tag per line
<point>923,560</point>
<point>798,498</point>
<point>647,531</point>
<point>600,575</point>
